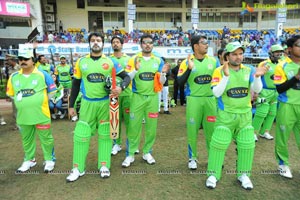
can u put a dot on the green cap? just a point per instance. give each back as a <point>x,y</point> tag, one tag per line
<point>232,46</point>
<point>285,47</point>
<point>276,47</point>
<point>25,53</point>
<point>62,56</point>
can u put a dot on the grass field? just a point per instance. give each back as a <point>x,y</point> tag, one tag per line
<point>169,178</point>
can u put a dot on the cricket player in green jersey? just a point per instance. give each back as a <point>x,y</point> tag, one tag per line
<point>90,75</point>
<point>266,103</point>
<point>148,73</point>
<point>124,98</point>
<point>231,84</point>
<point>31,89</point>
<point>44,65</point>
<point>201,108</point>
<point>287,81</point>
<point>64,73</point>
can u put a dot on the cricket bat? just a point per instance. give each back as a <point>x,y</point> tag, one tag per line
<point>114,109</point>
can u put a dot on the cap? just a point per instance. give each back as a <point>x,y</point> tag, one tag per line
<point>285,47</point>
<point>25,53</point>
<point>62,56</point>
<point>232,46</point>
<point>276,47</point>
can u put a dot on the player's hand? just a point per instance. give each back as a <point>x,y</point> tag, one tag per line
<point>226,68</point>
<point>116,91</point>
<point>35,45</point>
<point>137,63</point>
<point>190,62</point>
<point>72,112</point>
<point>166,67</point>
<point>260,71</point>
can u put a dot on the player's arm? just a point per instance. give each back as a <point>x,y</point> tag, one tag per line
<point>75,84</point>
<point>184,70</point>
<point>126,80</point>
<point>218,82</point>
<point>289,83</point>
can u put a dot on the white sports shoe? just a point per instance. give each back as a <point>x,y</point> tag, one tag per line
<point>192,164</point>
<point>2,122</point>
<point>74,118</point>
<point>104,172</point>
<point>59,113</point>
<point>75,174</point>
<point>285,171</point>
<point>255,138</point>
<point>49,166</point>
<point>63,115</point>
<point>116,148</point>
<point>127,162</point>
<point>53,116</point>
<point>211,182</point>
<point>26,165</point>
<point>149,158</point>
<point>246,182</point>
<point>267,136</point>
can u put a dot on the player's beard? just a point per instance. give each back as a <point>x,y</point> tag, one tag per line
<point>147,50</point>
<point>235,63</point>
<point>116,49</point>
<point>96,49</point>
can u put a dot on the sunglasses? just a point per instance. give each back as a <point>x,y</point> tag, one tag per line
<point>22,58</point>
<point>204,42</point>
<point>147,42</point>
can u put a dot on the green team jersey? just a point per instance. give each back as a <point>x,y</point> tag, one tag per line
<point>45,67</point>
<point>236,97</point>
<point>59,91</point>
<point>284,71</point>
<point>198,83</point>
<point>122,61</point>
<point>93,74</point>
<point>30,94</point>
<point>64,73</point>
<point>143,82</point>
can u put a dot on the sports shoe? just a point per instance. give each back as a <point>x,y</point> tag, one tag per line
<point>149,158</point>
<point>127,162</point>
<point>26,165</point>
<point>2,122</point>
<point>53,116</point>
<point>104,172</point>
<point>116,148</point>
<point>246,182</point>
<point>59,113</point>
<point>74,118</point>
<point>144,121</point>
<point>137,151</point>
<point>255,138</point>
<point>211,182</point>
<point>267,136</point>
<point>75,174</point>
<point>63,115</point>
<point>167,112</point>
<point>49,166</point>
<point>192,164</point>
<point>285,171</point>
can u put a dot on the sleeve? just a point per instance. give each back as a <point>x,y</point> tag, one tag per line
<point>252,72</point>
<point>77,71</point>
<point>9,89</point>
<point>161,65</point>
<point>183,68</point>
<point>279,75</point>
<point>51,87</point>
<point>217,77</point>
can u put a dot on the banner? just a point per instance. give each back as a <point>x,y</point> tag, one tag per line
<point>14,9</point>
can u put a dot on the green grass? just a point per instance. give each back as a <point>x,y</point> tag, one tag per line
<point>169,178</point>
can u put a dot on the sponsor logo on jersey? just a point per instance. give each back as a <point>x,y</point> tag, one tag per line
<point>246,77</point>
<point>84,67</point>
<point>105,66</point>
<point>215,80</point>
<point>27,92</point>
<point>210,66</point>
<point>192,121</point>
<point>64,74</point>
<point>211,118</point>
<point>146,76</point>
<point>127,110</point>
<point>153,115</point>
<point>17,83</point>
<point>96,78</point>
<point>43,126</point>
<point>203,79</point>
<point>238,92</point>
<point>277,77</point>
<point>34,82</point>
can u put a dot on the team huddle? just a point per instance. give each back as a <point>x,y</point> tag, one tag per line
<point>218,98</point>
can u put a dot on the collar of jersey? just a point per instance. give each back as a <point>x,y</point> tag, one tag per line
<point>123,54</point>
<point>35,70</point>
<point>205,56</point>
<point>141,55</point>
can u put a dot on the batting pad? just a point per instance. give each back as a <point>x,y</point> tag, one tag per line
<point>82,136</point>
<point>220,141</point>
<point>270,118</point>
<point>259,117</point>
<point>245,147</point>
<point>104,145</point>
